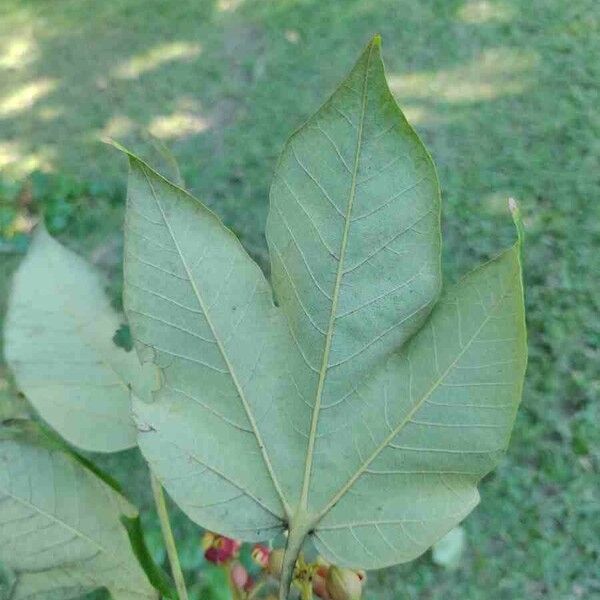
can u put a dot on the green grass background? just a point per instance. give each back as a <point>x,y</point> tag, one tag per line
<point>505,93</point>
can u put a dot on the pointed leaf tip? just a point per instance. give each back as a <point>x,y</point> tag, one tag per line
<point>111,142</point>
<point>515,212</point>
<point>131,156</point>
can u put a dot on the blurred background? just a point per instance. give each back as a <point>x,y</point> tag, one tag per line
<point>506,96</point>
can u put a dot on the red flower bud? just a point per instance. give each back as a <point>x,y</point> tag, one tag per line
<point>260,555</point>
<point>239,576</point>
<point>343,584</point>
<point>218,549</point>
<point>319,583</point>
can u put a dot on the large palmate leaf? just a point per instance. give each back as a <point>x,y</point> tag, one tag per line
<point>58,342</point>
<point>61,533</point>
<point>350,413</point>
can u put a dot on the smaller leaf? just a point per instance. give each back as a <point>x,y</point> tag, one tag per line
<point>448,551</point>
<point>50,440</point>
<point>62,533</point>
<point>58,344</point>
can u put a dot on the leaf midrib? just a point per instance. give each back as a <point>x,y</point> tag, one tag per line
<point>228,364</point>
<point>335,297</point>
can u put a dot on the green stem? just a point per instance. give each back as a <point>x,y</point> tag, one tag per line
<point>296,536</point>
<point>306,591</point>
<point>165,525</point>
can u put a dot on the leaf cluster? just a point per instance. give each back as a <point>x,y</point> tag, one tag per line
<point>352,401</point>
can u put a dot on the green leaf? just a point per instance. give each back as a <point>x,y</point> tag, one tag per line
<point>202,310</point>
<point>359,412</point>
<point>61,533</point>
<point>428,425</point>
<point>58,344</point>
<point>354,236</point>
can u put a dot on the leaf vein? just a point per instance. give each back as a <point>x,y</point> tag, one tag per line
<point>222,350</point>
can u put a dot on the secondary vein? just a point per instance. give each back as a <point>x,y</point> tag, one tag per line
<point>416,407</point>
<point>230,368</point>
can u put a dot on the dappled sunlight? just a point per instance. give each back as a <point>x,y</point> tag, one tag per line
<point>228,5</point>
<point>49,113</point>
<point>23,223</point>
<point>155,57</point>
<point>26,96</point>
<point>187,119</point>
<point>8,154</point>
<point>416,115</point>
<point>484,11</point>
<point>494,73</point>
<point>292,36</point>
<point>20,163</point>
<point>18,52</point>
<point>117,127</point>
<point>178,124</point>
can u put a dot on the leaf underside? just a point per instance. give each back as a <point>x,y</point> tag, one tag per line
<point>363,409</point>
<point>58,343</point>
<point>61,533</point>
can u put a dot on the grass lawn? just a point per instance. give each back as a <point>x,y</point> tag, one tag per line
<point>505,95</point>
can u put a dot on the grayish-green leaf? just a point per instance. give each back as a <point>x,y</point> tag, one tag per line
<point>60,528</point>
<point>202,310</point>
<point>348,413</point>
<point>423,430</point>
<point>58,343</point>
<point>354,237</point>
